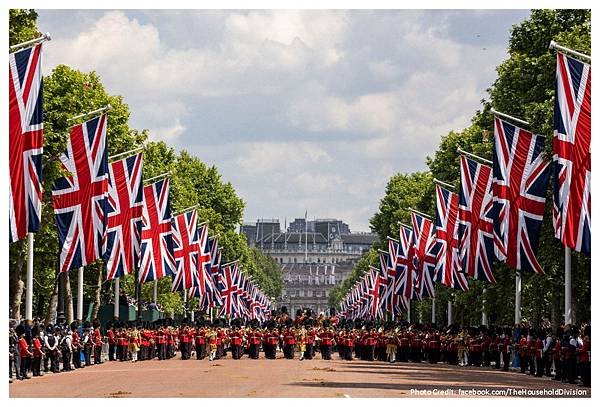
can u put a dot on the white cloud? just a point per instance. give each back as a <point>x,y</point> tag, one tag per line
<point>168,134</point>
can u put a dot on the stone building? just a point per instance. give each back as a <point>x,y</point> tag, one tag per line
<point>312,261</point>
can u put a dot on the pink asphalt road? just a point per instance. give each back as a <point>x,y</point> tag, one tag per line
<point>278,378</point>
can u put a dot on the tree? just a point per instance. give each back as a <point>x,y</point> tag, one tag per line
<point>22,26</point>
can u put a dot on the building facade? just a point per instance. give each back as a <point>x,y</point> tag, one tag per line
<point>315,256</point>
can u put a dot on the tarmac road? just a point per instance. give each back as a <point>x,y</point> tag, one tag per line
<point>277,378</point>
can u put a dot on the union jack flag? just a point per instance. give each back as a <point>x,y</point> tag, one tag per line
<point>207,289</point>
<point>215,264</point>
<point>448,270</point>
<point>405,263</point>
<point>572,153</point>
<point>80,198</point>
<point>520,180</point>
<point>426,250</point>
<point>125,203</point>
<point>476,229</point>
<point>156,254</point>
<point>185,250</point>
<point>26,140</point>
<point>373,293</point>
<point>228,289</point>
<point>389,272</point>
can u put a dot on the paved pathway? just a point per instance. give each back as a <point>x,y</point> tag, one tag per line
<point>278,378</point>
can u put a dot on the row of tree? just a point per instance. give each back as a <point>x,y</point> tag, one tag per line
<point>68,92</point>
<point>524,88</point>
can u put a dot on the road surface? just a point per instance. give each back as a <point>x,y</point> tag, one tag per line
<point>279,378</point>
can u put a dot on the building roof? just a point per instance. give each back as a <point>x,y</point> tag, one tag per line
<point>359,238</point>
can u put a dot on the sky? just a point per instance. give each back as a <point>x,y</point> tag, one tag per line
<point>302,111</point>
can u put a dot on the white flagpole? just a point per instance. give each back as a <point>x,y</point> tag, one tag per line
<point>184,303</point>
<point>117,297</point>
<point>554,45</point>
<point>44,37</point>
<point>449,312</point>
<point>29,294</point>
<point>408,311</point>
<point>155,293</point>
<point>568,303</point>
<point>483,314</point>
<point>433,310</point>
<point>518,298</point>
<point>80,294</point>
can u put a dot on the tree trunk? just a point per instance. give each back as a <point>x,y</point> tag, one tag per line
<point>69,299</point>
<point>16,283</point>
<point>53,304</point>
<point>98,291</point>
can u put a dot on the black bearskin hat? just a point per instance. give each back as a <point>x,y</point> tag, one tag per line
<point>96,323</point>
<point>284,310</point>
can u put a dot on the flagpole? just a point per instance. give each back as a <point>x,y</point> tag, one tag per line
<point>507,116</point>
<point>568,304</point>
<point>80,294</point>
<point>44,37</point>
<point>483,313</point>
<point>408,312</point>
<point>117,298</point>
<point>155,293</point>
<point>554,45</point>
<point>164,174</point>
<point>444,184</point>
<point>449,312</point>
<point>100,110</point>
<point>418,212</point>
<point>433,310</point>
<point>518,298</point>
<point>471,155</point>
<point>135,150</point>
<point>184,303</point>
<point>29,295</point>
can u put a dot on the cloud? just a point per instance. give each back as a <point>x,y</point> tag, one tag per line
<point>299,109</point>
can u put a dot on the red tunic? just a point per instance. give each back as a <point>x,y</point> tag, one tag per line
<point>37,348</point>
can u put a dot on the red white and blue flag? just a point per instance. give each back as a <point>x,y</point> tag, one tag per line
<point>215,265</point>
<point>476,230</point>
<point>519,184</point>
<point>80,198</point>
<point>388,268</point>
<point>206,291</point>
<point>125,206</point>
<point>228,289</point>
<point>185,250</point>
<point>26,140</point>
<point>374,293</point>
<point>448,269</point>
<point>156,254</point>
<point>426,249</point>
<point>572,153</point>
<point>405,264</point>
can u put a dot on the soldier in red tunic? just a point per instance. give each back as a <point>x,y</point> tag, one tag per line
<point>161,340</point>
<point>289,340</point>
<point>434,347</point>
<point>112,341</point>
<point>254,338</point>
<point>326,335</point>
<point>97,339</point>
<point>200,340</point>
<point>584,360</point>
<point>184,341</point>
<point>235,340</point>
<point>270,340</point>
<point>37,354</point>
<point>311,334</point>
